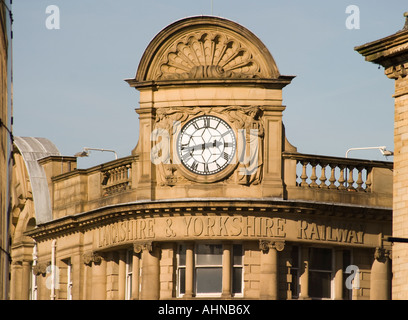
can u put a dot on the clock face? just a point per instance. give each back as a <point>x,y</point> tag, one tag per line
<point>206,145</point>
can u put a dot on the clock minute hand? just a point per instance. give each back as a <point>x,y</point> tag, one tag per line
<point>211,144</point>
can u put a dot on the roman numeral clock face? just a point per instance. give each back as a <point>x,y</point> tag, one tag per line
<point>206,145</point>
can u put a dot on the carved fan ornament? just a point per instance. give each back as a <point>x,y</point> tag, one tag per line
<point>206,55</point>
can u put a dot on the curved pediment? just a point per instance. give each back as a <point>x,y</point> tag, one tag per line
<point>202,48</point>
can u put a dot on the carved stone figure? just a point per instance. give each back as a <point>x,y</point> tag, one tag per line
<point>250,128</point>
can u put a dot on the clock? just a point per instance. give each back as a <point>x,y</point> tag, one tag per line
<point>206,145</point>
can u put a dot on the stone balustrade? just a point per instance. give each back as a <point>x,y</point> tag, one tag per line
<point>117,178</point>
<point>333,174</point>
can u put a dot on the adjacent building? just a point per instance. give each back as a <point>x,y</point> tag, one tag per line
<point>392,53</point>
<point>5,143</point>
<point>213,202</point>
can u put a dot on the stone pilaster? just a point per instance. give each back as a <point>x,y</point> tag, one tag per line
<point>269,268</point>
<point>150,270</point>
<point>381,275</point>
<point>98,263</point>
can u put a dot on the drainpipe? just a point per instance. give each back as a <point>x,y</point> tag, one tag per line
<point>53,262</point>
<point>34,279</point>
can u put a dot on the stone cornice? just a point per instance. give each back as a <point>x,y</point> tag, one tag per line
<point>93,219</point>
<point>388,51</point>
<point>278,83</point>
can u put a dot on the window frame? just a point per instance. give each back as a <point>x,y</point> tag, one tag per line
<point>181,268</point>
<point>205,266</point>
<point>129,275</point>
<point>325,271</point>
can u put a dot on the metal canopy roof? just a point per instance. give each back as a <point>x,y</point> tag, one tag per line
<point>32,149</point>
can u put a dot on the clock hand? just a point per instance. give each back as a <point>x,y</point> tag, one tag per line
<point>202,146</point>
<point>211,144</point>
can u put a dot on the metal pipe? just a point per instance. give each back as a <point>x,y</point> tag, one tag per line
<point>53,249</point>
<point>34,278</point>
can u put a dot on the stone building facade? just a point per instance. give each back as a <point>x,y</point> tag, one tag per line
<point>213,202</point>
<point>5,143</point>
<point>392,53</point>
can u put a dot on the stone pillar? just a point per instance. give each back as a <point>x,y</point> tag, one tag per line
<point>338,277</point>
<point>269,269</point>
<point>98,263</point>
<point>189,281</point>
<point>304,274</point>
<point>144,176</point>
<point>136,276</point>
<point>122,275</point>
<point>392,53</point>
<point>226,270</point>
<point>150,270</point>
<point>380,288</point>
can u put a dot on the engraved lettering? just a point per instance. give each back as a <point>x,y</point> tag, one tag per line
<point>122,234</point>
<point>250,224</point>
<point>223,227</point>
<point>198,227</point>
<point>150,228</point>
<point>280,229</point>
<point>268,228</point>
<point>187,225</point>
<point>210,226</point>
<point>169,231</point>
<point>142,229</point>
<point>314,234</point>
<point>302,226</point>
<point>236,225</point>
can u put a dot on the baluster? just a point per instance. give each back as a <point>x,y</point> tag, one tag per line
<point>110,175</point>
<point>304,174</point>
<point>350,180</point>
<point>342,179</point>
<point>368,181</point>
<point>313,177</point>
<point>323,178</point>
<point>360,181</point>
<point>332,179</point>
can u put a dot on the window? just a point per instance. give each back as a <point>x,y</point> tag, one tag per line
<point>129,274</point>
<point>208,264</point>
<point>320,277</point>
<point>320,273</point>
<point>33,285</point>
<point>208,271</point>
<point>294,271</point>
<point>65,280</point>
<point>237,269</point>
<point>181,270</point>
<point>347,294</point>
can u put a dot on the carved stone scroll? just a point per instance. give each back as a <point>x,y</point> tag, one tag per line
<point>266,245</point>
<point>381,254</point>
<point>138,247</point>
<point>41,268</point>
<point>90,257</point>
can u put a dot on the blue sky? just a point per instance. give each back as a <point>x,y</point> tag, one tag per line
<point>69,83</point>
